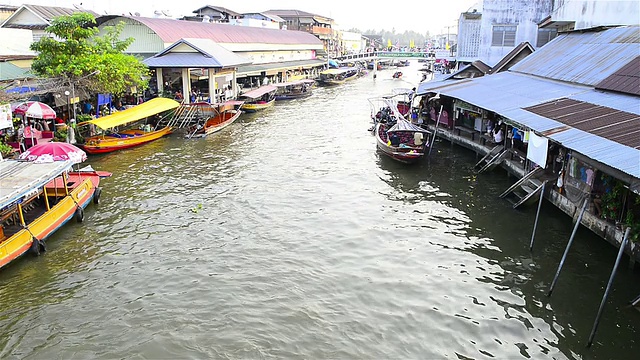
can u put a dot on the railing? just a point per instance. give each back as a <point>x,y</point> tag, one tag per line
<point>387,55</point>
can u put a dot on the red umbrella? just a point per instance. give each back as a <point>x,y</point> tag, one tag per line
<point>35,109</point>
<point>54,151</point>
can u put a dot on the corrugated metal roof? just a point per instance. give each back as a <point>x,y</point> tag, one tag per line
<point>509,93</point>
<point>8,71</point>
<point>50,12</point>
<point>625,80</point>
<point>209,55</point>
<point>170,31</point>
<point>583,57</point>
<point>218,9</point>
<point>522,50</point>
<point>605,151</point>
<point>615,125</point>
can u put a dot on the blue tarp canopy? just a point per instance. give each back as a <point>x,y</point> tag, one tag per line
<point>21,89</point>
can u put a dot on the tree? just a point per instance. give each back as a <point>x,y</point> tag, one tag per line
<point>78,56</point>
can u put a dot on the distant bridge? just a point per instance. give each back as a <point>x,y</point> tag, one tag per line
<point>375,55</point>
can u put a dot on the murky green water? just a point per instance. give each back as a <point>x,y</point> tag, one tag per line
<point>288,236</point>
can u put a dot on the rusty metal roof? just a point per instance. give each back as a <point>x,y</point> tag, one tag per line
<point>619,126</point>
<point>585,58</point>
<point>625,80</point>
<point>170,31</point>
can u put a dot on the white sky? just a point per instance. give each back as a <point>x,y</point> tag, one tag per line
<point>417,15</point>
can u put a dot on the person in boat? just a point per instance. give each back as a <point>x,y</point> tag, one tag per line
<point>394,139</point>
<point>418,138</point>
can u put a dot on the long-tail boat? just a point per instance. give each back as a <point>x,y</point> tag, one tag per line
<point>142,127</point>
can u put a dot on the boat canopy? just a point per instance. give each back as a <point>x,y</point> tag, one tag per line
<point>294,82</point>
<point>20,178</point>
<point>146,109</point>
<point>254,94</point>
<point>341,70</point>
<point>404,125</point>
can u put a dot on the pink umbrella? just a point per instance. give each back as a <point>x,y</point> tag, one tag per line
<point>54,151</point>
<point>35,109</point>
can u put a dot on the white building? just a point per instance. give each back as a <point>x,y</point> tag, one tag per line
<point>586,14</point>
<point>491,33</point>
<point>353,43</point>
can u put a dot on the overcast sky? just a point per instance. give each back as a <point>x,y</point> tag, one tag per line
<point>417,15</point>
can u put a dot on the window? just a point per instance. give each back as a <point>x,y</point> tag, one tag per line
<point>504,36</point>
<point>546,35</point>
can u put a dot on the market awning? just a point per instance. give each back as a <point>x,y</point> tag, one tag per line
<point>146,109</point>
<point>254,94</point>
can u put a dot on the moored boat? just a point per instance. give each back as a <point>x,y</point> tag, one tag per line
<point>220,116</point>
<point>38,198</point>
<point>144,115</point>
<point>297,89</point>
<point>339,76</point>
<point>258,99</point>
<point>402,141</point>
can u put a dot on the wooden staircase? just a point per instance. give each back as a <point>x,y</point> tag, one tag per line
<point>525,188</point>
<point>492,159</point>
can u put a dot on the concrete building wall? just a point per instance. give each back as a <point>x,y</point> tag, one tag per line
<point>469,36</point>
<point>15,41</point>
<point>523,14</point>
<point>591,13</point>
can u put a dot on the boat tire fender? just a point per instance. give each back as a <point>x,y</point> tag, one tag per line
<point>79,214</point>
<point>38,247</point>
<point>96,195</point>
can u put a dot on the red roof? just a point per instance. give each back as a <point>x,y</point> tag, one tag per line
<point>170,31</point>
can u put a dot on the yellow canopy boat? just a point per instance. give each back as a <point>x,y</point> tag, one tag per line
<point>112,141</point>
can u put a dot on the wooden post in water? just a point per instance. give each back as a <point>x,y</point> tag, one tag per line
<point>435,131</point>
<point>535,224</point>
<point>606,291</point>
<point>566,251</point>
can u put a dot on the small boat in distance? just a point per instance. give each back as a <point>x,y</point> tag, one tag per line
<point>339,76</point>
<point>219,116</point>
<point>258,99</point>
<point>113,139</point>
<point>38,198</point>
<point>296,89</point>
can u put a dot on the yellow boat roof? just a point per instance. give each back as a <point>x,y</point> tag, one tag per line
<point>146,109</point>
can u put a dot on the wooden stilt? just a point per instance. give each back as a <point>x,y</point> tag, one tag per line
<point>606,291</point>
<point>535,224</point>
<point>566,251</point>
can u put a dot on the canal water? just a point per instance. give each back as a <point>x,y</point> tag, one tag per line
<point>288,236</point>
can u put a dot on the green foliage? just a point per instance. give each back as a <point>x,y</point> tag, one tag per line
<point>87,60</point>
<point>5,149</point>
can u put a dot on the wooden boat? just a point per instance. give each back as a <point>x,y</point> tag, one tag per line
<point>219,117</point>
<point>144,114</point>
<point>258,99</point>
<point>297,89</point>
<point>402,141</point>
<point>38,198</point>
<point>338,76</point>
<point>382,108</point>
